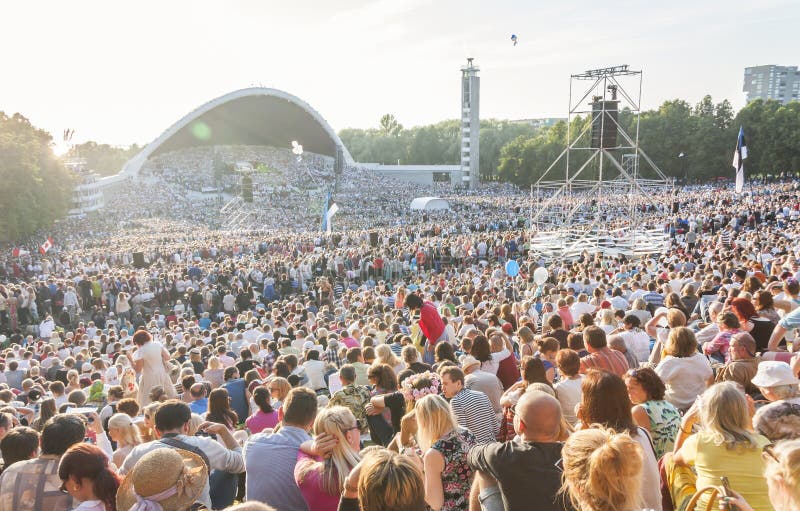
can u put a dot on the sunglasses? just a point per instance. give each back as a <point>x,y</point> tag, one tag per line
<point>768,452</point>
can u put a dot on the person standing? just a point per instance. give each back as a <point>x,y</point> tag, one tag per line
<point>150,360</point>
<point>430,322</point>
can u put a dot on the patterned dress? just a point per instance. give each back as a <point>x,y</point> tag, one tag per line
<point>664,423</point>
<point>457,475</point>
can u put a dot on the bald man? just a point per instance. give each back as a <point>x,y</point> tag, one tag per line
<point>526,474</point>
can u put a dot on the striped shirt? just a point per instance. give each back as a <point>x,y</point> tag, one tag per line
<point>653,299</point>
<point>605,359</point>
<point>270,459</point>
<point>474,411</point>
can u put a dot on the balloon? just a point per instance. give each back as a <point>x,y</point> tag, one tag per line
<point>540,276</point>
<point>512,268</point>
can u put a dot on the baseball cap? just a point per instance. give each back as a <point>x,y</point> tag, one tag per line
<point>773,373</point>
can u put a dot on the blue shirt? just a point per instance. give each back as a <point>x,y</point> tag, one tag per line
<point>791,320</point>
<point>199,406</point>
<point>269,460</point>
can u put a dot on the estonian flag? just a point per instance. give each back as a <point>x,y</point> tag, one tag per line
<point>329,215</point>
<point>739,155</point>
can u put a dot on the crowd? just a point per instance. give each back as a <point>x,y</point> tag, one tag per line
<point>396,365</point>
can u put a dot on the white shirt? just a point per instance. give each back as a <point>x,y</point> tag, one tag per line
<point>579,308</point>
<point>569,393</point>
<point>685,378</point>
<point>638,342</point>
<point>315,371</point>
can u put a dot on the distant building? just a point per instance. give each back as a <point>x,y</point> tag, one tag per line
<point>544,122</point>
<point>87,196</point>
<point>781,83</point>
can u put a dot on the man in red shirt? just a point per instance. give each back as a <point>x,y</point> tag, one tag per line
<point>430,322</point>
<point>600,355</point>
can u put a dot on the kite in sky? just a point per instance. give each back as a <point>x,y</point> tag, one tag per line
<point>514,39</point>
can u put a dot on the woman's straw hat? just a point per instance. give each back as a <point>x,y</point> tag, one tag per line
<point>175,478</point>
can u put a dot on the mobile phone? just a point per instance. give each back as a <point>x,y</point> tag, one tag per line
<point>726,486</point>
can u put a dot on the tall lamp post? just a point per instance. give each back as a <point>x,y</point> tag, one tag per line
<point>685,157</point>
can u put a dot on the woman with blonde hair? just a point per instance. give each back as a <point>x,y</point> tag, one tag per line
<point>606,321</point>
<point>725,445</point>
<point>279,388</point>
<point>602,470</point>
<point>385,355</point>
<point>125,433</point>
<point>73,381</point>
<point>321,481</point>
<point>384,481</point>
<point>527,342</point>
<point>445,444</point>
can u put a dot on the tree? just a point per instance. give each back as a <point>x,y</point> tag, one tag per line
<point>390,126</point>
<point>518,153</point>
<point>104,159</point>
<point>35,187</point>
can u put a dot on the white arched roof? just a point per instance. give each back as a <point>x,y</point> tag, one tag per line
<point>429,204</point>
<point>133,165</point>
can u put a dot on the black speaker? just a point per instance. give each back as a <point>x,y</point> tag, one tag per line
<point>138,260</point>
<point>604,126</point>
<point>338,164</point>
<point>247,189</point>
<point>373,239</point>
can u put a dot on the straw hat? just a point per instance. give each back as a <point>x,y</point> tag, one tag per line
<point>160,471</point>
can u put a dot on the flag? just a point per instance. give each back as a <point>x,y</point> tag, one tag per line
<point>46,246</point>
<point>19,252</point>
<point>325,212</point>
<point>329,216</point>
<point>739,155</point>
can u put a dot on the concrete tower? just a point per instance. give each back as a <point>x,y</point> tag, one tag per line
<point>470,125</point>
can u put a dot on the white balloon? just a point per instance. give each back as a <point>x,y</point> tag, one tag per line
<point>540,275</point>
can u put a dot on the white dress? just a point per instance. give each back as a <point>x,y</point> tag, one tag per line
<point>153,372</point>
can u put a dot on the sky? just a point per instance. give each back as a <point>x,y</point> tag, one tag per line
<point>122,72</point>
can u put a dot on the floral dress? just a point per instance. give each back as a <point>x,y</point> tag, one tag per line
<point>664,423</point>
<point>457,474</point>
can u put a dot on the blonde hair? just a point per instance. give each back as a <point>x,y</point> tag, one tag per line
<point>385,355</point>
<point>390,482</point>
<point>435,418</point>
<point>128,432</point>
<point>283,387</point>
<point>194,423</point>
<point>602,470</point>
<point>605,317</point>
<point>214,363</point>
<point>725,416</point>
<point>335,421</point>
<point>783,470</point>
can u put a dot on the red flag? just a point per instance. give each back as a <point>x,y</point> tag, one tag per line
<point>47,245</point>
<point>19,252</point>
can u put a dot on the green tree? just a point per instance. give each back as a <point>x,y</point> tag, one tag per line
<point>390,126</point>
<point>104,159</point>
<point>35,187</point>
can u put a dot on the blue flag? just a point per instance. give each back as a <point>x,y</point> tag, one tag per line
<point>324,226</point>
